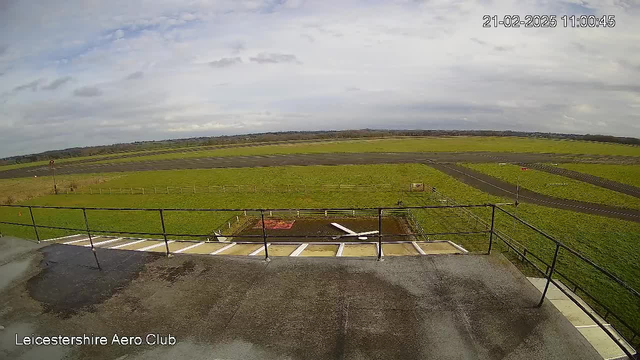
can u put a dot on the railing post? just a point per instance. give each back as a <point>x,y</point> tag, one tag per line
<point>164,232</point>
<point>553,266</point>
<point>379,234</point>
<point>493,219</point>
<point>264,237</point>
<point>93,249</point>
<point>35,228</point>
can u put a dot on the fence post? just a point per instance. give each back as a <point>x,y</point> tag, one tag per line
<point>379,234</point>
<point>493,218</point>
<point>553,266</point>
<point>35,228</point>
<point>194,189</point>
<point>93,249</point>
<point>164,232</point>
<point>264,237</point>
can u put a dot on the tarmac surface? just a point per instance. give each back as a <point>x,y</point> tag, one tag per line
<point>312,159</point>
<point>494,186</point>
<point>412,307</point>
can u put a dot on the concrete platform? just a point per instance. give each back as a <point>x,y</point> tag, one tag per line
<point>598,338</point>
<point>225,307</point>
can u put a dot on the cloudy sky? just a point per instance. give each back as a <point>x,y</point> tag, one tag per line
<point>88,72</point>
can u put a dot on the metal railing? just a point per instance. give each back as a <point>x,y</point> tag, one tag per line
<point>379,213</point>
<point>551,270</point>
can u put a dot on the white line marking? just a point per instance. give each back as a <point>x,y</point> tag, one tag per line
<point>188,247</point>
<point>590,326</point>
<point>261,249</point>
<point>127,244</point>
<point>348,231</point>
<point>458,246</point>
<point>154,246</point>
<point>104,242</point>
<point>418,248</point>
<point>340,249</point>
<point>299,249</point>
<point>222,249</point>
<point>75,241</point>
<point>63,237</point>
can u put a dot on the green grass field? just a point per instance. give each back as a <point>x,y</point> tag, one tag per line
<point>626,174</point>
<point>609,242</point>
<point>556,185</point>
<point>434,144</point>
<point>439,144</point>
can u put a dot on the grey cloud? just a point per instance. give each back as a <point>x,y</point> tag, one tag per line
<point>225,62</point>
<point>237,47</point>
<point>57,83</point>
<point>33,86</point>
<point>135,75</point>
<point>496,48</point>
<point>3,49</point>
<point>87,91</point>
<point>274,58</point>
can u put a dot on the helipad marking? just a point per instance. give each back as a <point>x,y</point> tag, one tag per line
<point>104,242</point>
<point>75,241</point>
<point>127,244</point>
<point>188,247</point>
<point>415,245</point>
<point>154,246</point>
<point>261,249</point>
<point>299,250</point>
<point>222,249</point>
<point>340,249</point>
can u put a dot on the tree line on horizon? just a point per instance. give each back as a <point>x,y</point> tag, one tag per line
<point>283,136</point>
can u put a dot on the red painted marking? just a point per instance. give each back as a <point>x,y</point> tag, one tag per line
<point>275,224</point>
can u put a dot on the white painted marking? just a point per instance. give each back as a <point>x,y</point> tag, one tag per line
<point>340,249</point>
<point>418,248</point>
<point>161,243</point>
<point>219,238</point>
<point>104,242</point>
<point>62,238</point>
<point>75,241</point>
<point>348,231</point>
<point>127,244</point>
<point>261,249</point>
<point>222,249</point>
<point>458,246</point>
<point>590,326</point>
<point>299,250</point>
<point>188,247</point>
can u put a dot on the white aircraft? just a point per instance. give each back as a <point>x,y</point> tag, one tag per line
<point>353,233</point>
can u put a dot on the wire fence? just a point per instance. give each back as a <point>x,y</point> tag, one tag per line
<point>194,189</point>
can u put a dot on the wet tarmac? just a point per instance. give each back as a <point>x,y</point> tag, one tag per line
<point>225,307</point>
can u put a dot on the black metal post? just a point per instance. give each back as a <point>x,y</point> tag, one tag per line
<point>493,219</point>
<point>264,236</point>
<point>93,249</point>
<point>379,234</point>
<point>553,267</point>
<point>164,232</point>
<point>35,228</point>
